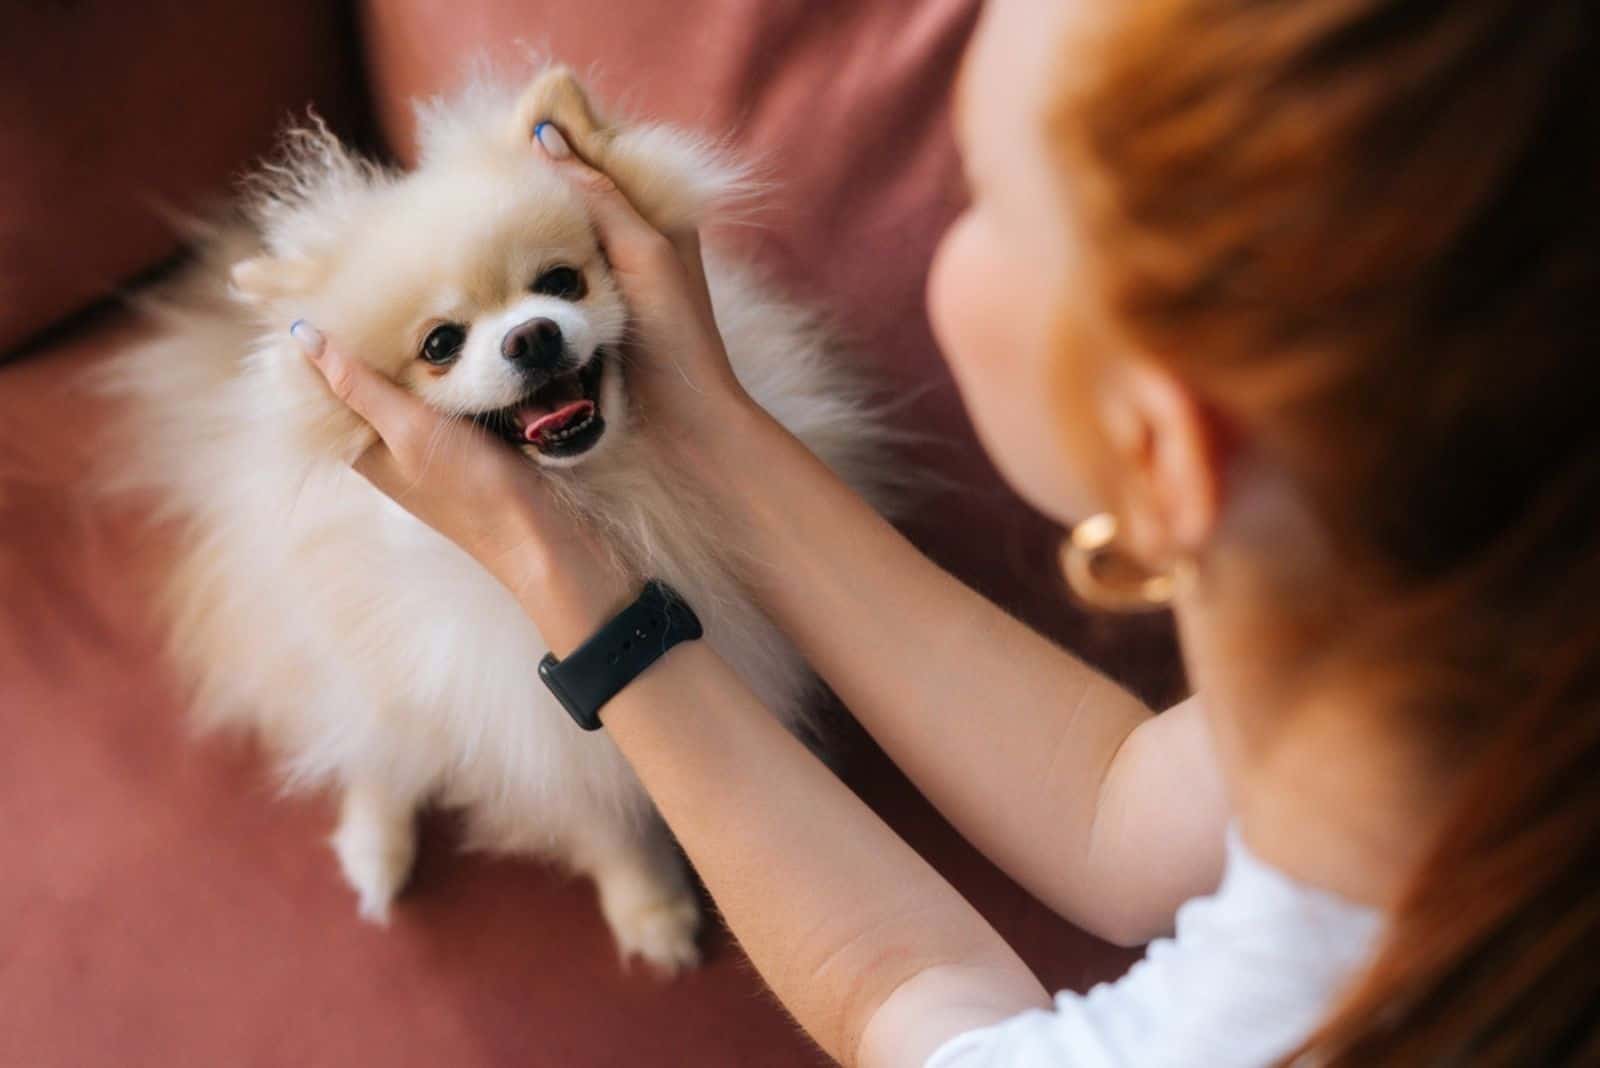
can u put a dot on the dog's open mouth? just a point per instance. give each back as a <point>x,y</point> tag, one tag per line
<point>561,418</point>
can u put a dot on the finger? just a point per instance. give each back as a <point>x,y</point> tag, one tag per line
<point>378,466</point>
<point>694,261</point>
<point>396,415</point>
<point>626,234</point>
<point>631,242</point>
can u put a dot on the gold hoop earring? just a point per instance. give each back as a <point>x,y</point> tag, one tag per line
<point>1103,577</point>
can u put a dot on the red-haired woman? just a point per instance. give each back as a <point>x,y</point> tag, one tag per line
<point>1299,301</point>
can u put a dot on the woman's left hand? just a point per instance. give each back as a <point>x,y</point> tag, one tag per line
<point>480,494</point>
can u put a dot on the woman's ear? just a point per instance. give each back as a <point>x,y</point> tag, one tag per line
<point>1171,459</point>
<point>673,178</point>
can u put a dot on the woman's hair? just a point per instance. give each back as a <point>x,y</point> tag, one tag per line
<point>1368,232</point>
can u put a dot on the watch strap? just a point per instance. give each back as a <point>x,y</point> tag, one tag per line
<point>619,652</point>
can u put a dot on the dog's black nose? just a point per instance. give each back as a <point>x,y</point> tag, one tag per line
<point>534,345</point>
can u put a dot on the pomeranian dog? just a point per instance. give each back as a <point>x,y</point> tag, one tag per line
<point>367,652</point>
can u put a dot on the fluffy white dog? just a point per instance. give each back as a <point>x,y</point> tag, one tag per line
<point>368,652</point>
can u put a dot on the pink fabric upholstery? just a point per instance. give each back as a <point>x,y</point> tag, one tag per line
<point>110,110</point>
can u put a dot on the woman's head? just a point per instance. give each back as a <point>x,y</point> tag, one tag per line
<point>1323,314</point>
<point>1347,238</point>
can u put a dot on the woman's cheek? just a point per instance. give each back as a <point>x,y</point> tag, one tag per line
<point>991,317</point>
<point>958,299</point>
<point>974,317</point>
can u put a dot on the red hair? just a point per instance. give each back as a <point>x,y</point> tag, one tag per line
<point>1367,232</point>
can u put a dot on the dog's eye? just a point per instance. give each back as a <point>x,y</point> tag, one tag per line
<point>564,282</point>
<point>443,344</point>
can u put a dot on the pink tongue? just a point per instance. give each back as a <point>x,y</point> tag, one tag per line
<point>536,424</point>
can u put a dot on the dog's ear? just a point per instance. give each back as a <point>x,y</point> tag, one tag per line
<point>675,179</point>
<point>300,201</point>
<point>262,279</point>
<point>555,95</point>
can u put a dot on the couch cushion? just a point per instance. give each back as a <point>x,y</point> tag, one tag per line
<point>845,105</point>
<point>114,112</point>
<point>161,906</point>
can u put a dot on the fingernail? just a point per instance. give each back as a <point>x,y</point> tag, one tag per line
<point>550,139</point>
<point>308,337</point>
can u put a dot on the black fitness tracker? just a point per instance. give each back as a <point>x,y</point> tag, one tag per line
<point>637,637</point>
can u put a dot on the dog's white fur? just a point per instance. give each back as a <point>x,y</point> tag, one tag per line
<point>367,651</point>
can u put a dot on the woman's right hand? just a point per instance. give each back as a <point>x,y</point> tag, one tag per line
<point>678,367</point>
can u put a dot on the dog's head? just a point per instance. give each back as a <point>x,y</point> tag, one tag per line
<point>476,280</point>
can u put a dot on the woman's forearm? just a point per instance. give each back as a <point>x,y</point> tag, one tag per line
<point>835,911</point>
<point>1009,735</point>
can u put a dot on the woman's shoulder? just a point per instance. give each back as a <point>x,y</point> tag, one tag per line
<point>1249,972</point>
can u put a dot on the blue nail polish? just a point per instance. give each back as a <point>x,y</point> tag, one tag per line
<point>548,135</point>
<point>308,337</point>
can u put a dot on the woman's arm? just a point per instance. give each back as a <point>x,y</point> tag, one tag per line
<point>844,921</point>
<point>1107,814</point>
<point>838,914</point>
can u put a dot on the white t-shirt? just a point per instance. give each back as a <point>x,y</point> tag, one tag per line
<point>1249,973</point>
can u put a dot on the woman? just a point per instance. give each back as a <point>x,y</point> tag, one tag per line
<point>1299,297</point>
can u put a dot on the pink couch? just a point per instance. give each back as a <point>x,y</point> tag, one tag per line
<point>160,906</point>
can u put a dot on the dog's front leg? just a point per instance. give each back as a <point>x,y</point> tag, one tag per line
<point>645,893</point>
<point>376,843</point>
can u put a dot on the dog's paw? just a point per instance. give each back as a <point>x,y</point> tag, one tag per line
<point>663,934</point>
<point>376,861</point>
